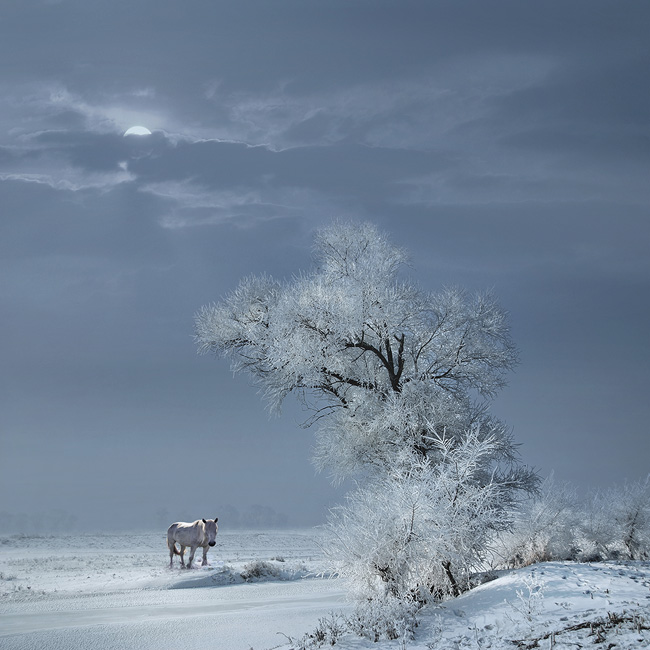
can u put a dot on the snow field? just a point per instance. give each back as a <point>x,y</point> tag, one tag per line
<point>40,565</point>
<point>117,591</point>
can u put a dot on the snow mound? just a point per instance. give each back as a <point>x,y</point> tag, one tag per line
<point>555,604</point>
<point>255,571</point>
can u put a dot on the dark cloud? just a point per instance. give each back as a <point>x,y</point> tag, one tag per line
<point>44,221</point>
<point>349,170</point>
<point>98,152</point>
<point>612,91</point>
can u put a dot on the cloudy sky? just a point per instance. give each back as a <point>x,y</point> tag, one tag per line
<point>505,144</point>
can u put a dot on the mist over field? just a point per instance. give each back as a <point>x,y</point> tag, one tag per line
<point>62,522</point>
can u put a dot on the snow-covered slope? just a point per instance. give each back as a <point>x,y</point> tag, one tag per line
<point>554,604</point>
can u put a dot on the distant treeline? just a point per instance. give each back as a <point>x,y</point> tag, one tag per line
<point>255,516</point>
<point>42,523</point>
<point>60,521</point>
<point>607,524</point>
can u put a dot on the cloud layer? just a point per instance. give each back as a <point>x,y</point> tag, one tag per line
<point>505,144</point>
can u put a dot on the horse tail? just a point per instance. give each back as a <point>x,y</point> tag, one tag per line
<point>172,547</point>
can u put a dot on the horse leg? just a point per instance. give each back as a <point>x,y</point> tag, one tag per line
<point>193,550</point>
<point>205,556</point>
<point>171,553</point>
<point>182,554</point>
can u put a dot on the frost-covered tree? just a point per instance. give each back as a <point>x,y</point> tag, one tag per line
<point>388,369</point>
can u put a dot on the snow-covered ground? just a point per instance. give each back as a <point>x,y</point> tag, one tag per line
<point>117,591</point>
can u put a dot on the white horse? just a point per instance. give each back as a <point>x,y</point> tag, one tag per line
<point>200,533</point>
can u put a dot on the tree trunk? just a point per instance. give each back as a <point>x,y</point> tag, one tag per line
<point>455,591</point>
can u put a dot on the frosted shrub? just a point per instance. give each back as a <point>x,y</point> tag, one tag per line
<point>530,597</point>
<point>616,523</point>
<point>543,527</point>
<point>258,569</point>
<point>385,617</point>
<point>631,510</point>
<point>609,524</point>
<point>418,533</point>
<point>327,633</point>
<point>596,535</point>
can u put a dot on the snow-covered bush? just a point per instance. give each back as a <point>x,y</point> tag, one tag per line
<point>265,570</point>
<point>327,633</point>
<point>616,523</point>
<point>385,617</point>
<point>596,534</point>
<point>419,532</point>
<point>631,509</point>
<point>543,528</point>
<point>259,569</point>
<point>554,524</point>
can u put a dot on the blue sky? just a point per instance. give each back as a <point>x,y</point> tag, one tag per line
<point>506,145</point>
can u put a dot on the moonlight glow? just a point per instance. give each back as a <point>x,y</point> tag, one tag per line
<point>137,130</point>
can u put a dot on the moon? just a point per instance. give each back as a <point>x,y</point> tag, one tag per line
<point>137,130</point>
